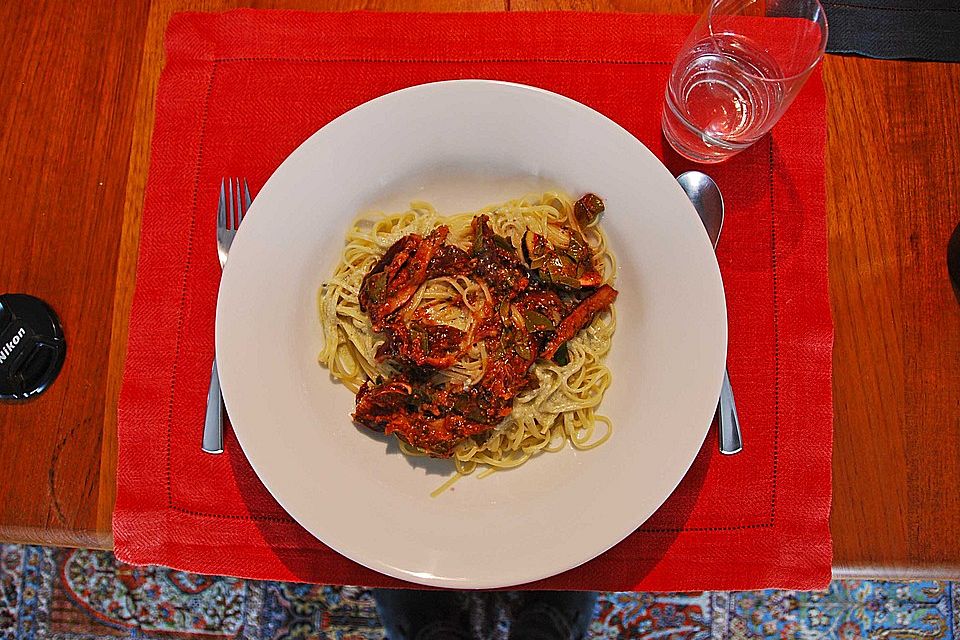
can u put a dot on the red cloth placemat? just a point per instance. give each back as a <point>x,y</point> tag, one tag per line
<point>241,90</point>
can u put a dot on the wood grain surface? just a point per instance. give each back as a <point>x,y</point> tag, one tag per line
<point>893,188</point>
<point>81,112</point>
<point>67,92</point>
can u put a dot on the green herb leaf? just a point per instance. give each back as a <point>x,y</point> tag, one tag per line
<point>503,243</point>
<point>573,283</point>
<point>523,349</point>
<point>562,356</point>
<point>419,336</point>
<point>505,311</point>
<point>477,248</point>
<point>536,321</point>
<point>576,249</point>
<point>376,286</point>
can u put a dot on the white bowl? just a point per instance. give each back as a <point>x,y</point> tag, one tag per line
<point>462,145</point>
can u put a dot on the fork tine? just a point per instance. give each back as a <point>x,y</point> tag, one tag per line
<point>230,205</point>
<point>246,199</point>
<point>239,211</point>
<point>222,207</point>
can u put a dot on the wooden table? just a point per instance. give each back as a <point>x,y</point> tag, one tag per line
<point>76,99</point>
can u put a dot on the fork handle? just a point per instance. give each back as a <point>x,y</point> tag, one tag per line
<point>213,424</point>
<point>728,422</point>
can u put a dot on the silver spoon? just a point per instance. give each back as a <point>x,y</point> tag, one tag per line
<point>705,196</point>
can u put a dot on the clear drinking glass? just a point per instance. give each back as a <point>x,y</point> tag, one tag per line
<point>737,73</point>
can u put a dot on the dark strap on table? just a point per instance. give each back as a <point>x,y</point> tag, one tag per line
<point>953,261</point>
<point>895,29</point>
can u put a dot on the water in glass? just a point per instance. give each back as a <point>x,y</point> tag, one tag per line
<point>723,95</point>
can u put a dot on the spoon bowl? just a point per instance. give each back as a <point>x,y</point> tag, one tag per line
<point>707,200</point>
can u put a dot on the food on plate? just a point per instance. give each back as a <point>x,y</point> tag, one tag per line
<point>479,336</point>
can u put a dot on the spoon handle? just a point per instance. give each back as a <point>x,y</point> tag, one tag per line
<point>729,424</point>
<point>213,424</point>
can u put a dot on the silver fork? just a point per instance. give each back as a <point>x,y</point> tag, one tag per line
<point>230,214</point>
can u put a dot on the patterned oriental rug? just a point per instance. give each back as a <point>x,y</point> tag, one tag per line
<point>80,594</point>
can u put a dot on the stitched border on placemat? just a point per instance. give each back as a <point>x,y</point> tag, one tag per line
<point>183,290</point>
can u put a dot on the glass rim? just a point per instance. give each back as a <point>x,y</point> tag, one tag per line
<point>817,58</point>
